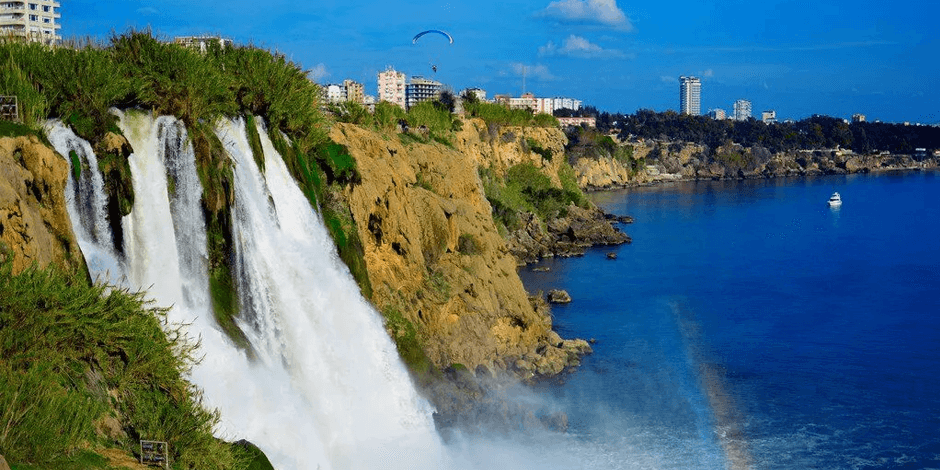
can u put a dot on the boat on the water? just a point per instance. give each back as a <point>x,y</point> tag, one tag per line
<point>835,200</point>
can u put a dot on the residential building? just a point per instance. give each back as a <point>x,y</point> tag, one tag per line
<point>565,103</point>
<point>392,87</point>
<point>526,101</point>
<point>478,92</point>
<point>334,93</point>
<point>202,43</point>
<point>33,20</point>
<point>422,89</point>
<point>717,114</point>
<point>354,90</point>
<point>769,117</point>
<point>589,121</point>
<point>690,96</point>
<point>858,118</point>
<point>742,110</point>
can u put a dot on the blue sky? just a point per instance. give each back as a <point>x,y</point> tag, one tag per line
<point>797,57</point>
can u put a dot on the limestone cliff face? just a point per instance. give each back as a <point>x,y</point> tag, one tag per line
<point>500,147</point>
<point>434,253</point>
<point>34,224</point>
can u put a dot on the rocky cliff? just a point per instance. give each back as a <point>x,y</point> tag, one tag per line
<point>671,161</point>
<point>34,224</point>
<point>434,254</point>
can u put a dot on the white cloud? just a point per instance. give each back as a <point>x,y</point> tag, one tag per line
<point>318,72</point>
<point>539,72</point>
<point>148,11</point>
<point>604,12</point>
<point>577,46</point>
<point>708,73</point>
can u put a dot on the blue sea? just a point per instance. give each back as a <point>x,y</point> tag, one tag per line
<point>750,325</point>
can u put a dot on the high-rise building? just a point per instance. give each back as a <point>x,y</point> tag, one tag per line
<point>422,89</point>
<point>690,96</point>
<point>33,20</point>
<point>742,110</point>
<point>392,87</point>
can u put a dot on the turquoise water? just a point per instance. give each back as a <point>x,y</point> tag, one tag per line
<point>750,325</point>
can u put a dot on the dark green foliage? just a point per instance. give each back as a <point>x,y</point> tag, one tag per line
<point>254,140</point>
<point>338,165</point>
<point>73,352</point>
<point>174,79</point>
<point>467,244</point>
<point>816,132</point>
<point>569,184</point>
<point>76,165</point>
<point>405,335</point>
<point>537,148</point>
<point>15,129</point>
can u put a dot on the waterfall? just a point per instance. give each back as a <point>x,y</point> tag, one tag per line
<point>326,388</point>
<point>86,204</point>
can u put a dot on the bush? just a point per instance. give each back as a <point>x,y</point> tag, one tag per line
<point>74,353</point>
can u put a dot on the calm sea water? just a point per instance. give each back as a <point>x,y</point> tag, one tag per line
<point>751,326</point>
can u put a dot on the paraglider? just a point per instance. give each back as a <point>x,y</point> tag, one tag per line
<point>437,31</point>
<point>450,40</point>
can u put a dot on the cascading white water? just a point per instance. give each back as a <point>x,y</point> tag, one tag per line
<point>86,204</point>
<point>326,389</point>
<point>305,316</point>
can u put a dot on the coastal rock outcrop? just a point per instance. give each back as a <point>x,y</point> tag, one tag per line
<point>34,224</point>
<point>565,236</point>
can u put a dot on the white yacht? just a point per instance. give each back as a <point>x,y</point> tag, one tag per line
<point>835,200</point>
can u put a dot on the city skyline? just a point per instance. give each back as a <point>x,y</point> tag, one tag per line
<point>837,59</point>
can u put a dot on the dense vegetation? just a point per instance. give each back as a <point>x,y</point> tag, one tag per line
<point>816,132</point>
<point>86,367</point>
<point>525,189</point>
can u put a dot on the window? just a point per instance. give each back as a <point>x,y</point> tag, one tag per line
<point>45,20</point>
<point>32,6</point>
<point>45,8</point>
<point>33,17</point>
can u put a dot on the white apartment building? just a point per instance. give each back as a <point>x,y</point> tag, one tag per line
<point>422,89</point>
<point>742,110</point>
<point>478,92</point>
<point>392,87</point>
<point>769,117</point>
<point>202,43</point>
<point>334,93</point>
<point>34,20</point>
<point>565,103</point>
<point>690,96</point>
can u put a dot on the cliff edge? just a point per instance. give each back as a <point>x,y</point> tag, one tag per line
<point>435,256</point>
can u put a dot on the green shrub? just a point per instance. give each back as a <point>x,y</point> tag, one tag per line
<point>467,244</point>
<point>537,148</point>
<point>73,352</point>
<point>408,343</point>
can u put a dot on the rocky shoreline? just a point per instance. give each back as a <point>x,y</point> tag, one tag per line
<point>688,162</point>
<point>567,236</point>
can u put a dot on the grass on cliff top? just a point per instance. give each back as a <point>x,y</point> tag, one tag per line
<point>76,356</point>
<point>494,113</point>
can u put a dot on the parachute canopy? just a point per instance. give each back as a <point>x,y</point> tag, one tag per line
<point>430,31</point>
